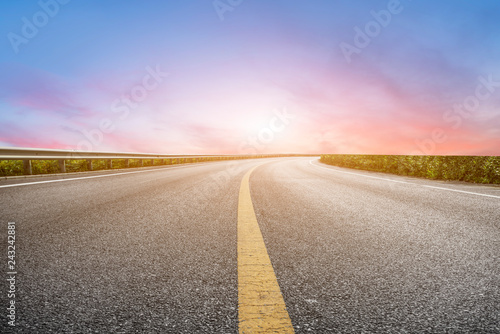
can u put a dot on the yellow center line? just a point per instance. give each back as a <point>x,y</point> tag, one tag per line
<point>261,308</point>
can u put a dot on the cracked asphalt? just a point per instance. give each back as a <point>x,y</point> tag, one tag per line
<point>156,251</point>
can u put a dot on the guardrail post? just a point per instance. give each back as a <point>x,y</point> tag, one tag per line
<point>62,166</point>
<point>109,163</point>
<point>162,161</point>
<point>27,167</point>
<point>89,165</point>
<point>141,162</point>
<point>127,163</point>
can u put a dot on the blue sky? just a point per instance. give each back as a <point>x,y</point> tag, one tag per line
<point>259,77</point>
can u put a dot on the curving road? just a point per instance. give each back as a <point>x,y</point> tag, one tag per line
<point>155,250</point>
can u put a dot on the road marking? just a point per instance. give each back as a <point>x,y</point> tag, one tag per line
<point>96,176</point>
<point>460,191</point>
<point>397,181</point>
<point>261,308</point>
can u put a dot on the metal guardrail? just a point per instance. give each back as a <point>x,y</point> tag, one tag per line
<point>16,153</point>
<point>29,154</point>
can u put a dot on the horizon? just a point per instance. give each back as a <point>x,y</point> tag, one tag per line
<point>240,77</point>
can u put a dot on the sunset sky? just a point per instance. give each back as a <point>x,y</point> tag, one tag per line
<point>251,76</point>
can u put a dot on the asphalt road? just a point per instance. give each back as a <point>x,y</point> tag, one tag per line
<point>155,250</point>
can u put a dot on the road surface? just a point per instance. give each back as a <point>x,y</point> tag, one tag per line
<point>155,250</point>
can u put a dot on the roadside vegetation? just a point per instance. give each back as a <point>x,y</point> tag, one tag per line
<point>478,169</point>
<point>15,167</point>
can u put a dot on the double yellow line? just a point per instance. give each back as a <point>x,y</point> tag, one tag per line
<point>261,308</point>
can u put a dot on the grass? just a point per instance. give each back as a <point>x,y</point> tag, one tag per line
<point>477,169</point>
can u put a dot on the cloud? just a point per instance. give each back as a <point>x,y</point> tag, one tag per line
<point>32,90</point>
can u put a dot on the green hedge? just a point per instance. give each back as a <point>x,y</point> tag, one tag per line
<point>478,169</point>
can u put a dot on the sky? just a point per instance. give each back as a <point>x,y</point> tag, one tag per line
<point>251,76</point>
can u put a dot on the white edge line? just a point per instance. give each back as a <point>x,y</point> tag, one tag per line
<point>396,181</point>
<point>460,191</point>
<point>96,176</point>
